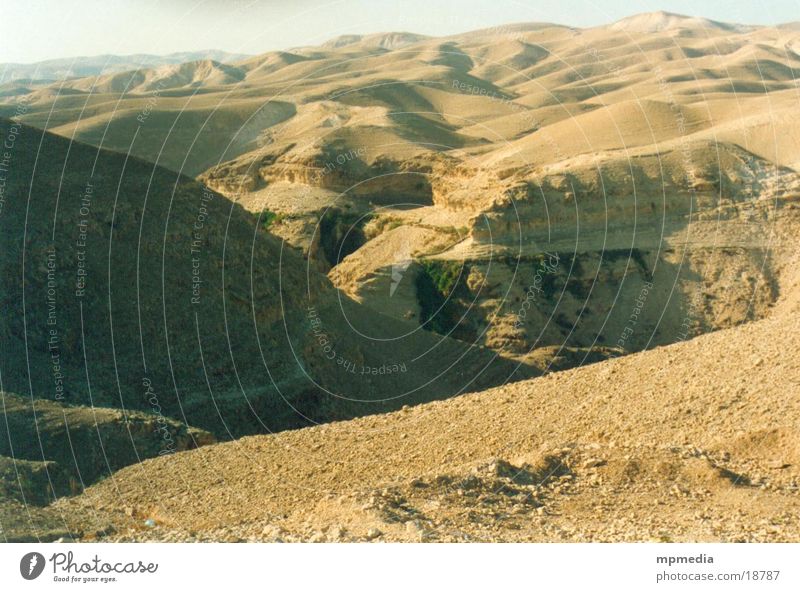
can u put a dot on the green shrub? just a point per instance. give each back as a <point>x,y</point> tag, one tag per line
<point>268,218</point>
<point>439,285</point>
<point>444,275</point>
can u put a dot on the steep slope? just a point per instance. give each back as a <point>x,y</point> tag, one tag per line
<point>161,305</point>
<point>694,441</point>
<point>49,449</point>
<point>127,281</point>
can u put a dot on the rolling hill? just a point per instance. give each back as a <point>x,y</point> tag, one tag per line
<point>332,242</point>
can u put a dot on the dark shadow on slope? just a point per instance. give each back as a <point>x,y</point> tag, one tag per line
<point>144,290</point>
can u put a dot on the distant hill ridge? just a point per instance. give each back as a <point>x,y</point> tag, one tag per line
<point>80,66</point>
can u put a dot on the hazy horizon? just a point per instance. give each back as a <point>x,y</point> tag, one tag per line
<point>255,27</point>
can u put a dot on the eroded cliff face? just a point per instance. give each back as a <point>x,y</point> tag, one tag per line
<point>650,199</point>
<point>616,301</point>
<point>637,256</point>
<point>337,168</point>
<point>168,292</point>
<point>428,184</point>
<point>552,265</point>
<point>434,203</point>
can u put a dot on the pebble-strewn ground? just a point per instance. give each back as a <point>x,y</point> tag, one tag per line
<point>695,441</point>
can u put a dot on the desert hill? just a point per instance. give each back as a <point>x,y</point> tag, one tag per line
<point>50,450</point>
<point>393,219</point>
<point>79,67</point>
<point>692,442</point>
<point>656,22</point>
<point>136,293</point>
<point>133,273</point>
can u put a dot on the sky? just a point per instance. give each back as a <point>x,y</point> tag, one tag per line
<point>35,30</point>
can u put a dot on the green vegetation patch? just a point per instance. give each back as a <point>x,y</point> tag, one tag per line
<point>440,287</point>
<point>270,218</point>
<point>444,275</point>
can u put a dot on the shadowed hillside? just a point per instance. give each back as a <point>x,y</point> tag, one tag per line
<point>162,305</point>
<point>140,281</point>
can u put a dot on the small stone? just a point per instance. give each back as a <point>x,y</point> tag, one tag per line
<point>104,532</point>
<point>317,537</point>
<point>414,528</point>
<point>271,531</point>
<point>373,533</point>
<point>778,464</point>
<point>593,463</point>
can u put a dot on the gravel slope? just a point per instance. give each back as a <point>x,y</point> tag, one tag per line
<point>694,441</point>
